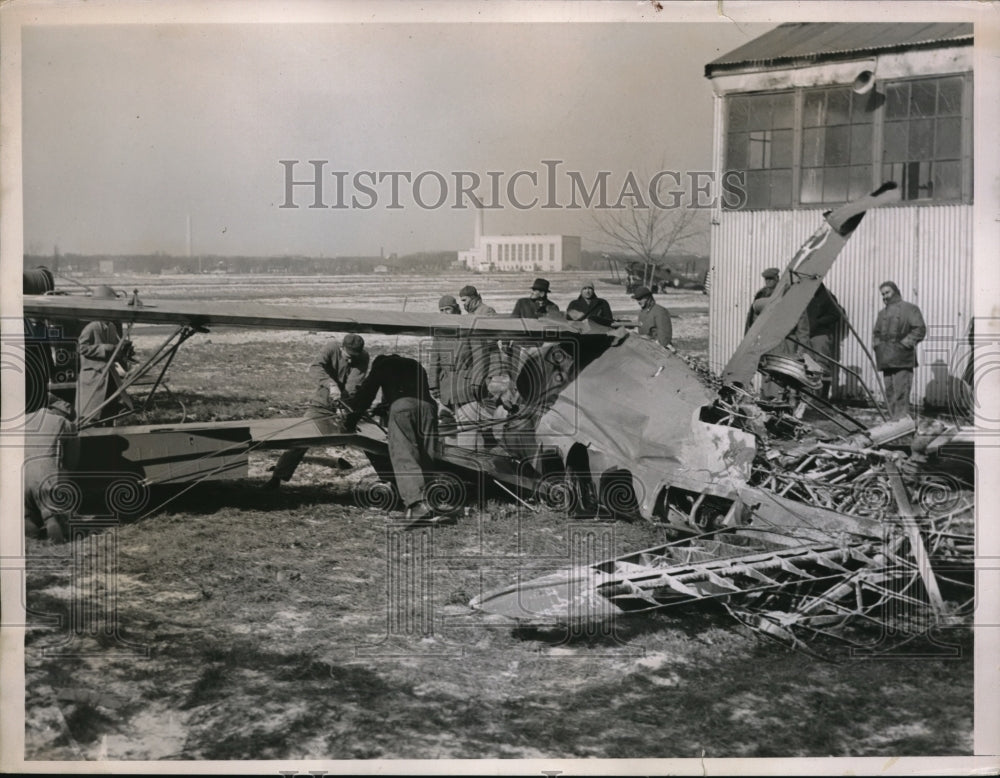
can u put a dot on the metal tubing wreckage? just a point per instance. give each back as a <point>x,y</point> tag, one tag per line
<point>797,531</point>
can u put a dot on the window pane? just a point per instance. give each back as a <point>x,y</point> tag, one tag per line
<point>894,149</point>
<point>784,111</point>
<point>835,185</point>
<point>837,145</point>
<point>947,180</point>
<point>838,106</point>
<point>812,145</point>
<point>861,143</point>
<point>760,113</point>
<point>736,151</point>
<point>921,139</point>
<point>812,186</point>
<point>781,189</point>
<point>916,180</point>
<point>861,181</point>
<point>863,108</point>
<point>923,95</point>
<point>759,150</point>
<point>893,172</point>
<point>737,113</point>
<point>812,109</point>
<point>895,101</point>
<point>948,138</point>
<point>781,148</point>
<point>757,189</point>
<point>949,96</point>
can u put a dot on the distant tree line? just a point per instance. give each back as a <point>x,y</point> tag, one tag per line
<point>419,263</point>
<point>156,264</point>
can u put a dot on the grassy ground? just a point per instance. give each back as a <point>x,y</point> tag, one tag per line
<point>259,626</point>
<point>232,623</point>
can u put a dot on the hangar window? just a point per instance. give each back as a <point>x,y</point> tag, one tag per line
<point>837,144</point>
<point>760,133</point>
<point>823,146</point>
<point>922,138</point>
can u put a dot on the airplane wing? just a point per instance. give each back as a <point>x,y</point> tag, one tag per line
<point>202,315</point>
<point>799,282</point>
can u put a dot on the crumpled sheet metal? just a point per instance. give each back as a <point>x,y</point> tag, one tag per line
<point>636,408</point>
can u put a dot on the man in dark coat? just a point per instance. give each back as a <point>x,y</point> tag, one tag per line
<point>898,329</point>
<point>411,427</point>
<point>538,304</point>
<point>473,303</point>
<point>771,276</point>
<point>589,306</point>
<point>824,316</point>
<point>654,319</point>
<point>337,371</point>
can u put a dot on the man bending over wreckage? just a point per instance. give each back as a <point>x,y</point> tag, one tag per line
<point>411,428</point>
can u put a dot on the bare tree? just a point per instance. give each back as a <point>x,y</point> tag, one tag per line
<point>643,227</point>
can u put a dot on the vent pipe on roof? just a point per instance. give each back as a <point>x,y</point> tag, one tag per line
<point>864,83</point>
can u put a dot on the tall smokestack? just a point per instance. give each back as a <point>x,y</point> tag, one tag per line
<point>477,235</point>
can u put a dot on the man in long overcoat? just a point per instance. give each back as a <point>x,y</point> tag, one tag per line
<point>898,329</point>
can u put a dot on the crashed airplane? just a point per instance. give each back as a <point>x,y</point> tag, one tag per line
<point>797,531</point>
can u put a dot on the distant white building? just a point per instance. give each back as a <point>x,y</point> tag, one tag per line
<point>542,253</point>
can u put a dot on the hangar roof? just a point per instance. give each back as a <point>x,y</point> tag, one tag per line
<point>799,43</point>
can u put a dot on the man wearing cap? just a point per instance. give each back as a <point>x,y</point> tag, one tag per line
<point>538,304</point>
<point>473,303</point>
<point>771,276</point>
<point>458,370</point>
<point>589,306</point>
<point>448,304</point>
<point>411,428</point>
<point>339,367</point>
<point>898,329</point>
<point>654,319</point>
<point>102,351</point>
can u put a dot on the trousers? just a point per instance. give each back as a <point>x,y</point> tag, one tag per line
<point>898,383</point>
<point>413,442</point>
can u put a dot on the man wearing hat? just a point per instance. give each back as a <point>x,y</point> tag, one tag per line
<point>473,303</point>
<point>538,304</point>
<point>654,319</point>
<point>771,276</point>
<point>339,367</point>
<point>589,306</point>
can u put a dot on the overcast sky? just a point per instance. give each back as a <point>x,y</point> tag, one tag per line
<point>130,130</point>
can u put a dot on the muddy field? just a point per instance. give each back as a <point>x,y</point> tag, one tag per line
<point>227,622</point>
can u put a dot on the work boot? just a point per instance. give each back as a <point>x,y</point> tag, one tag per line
<point>54,531</point>
<point>422,515</point>
<point>418,511</point>
<point>273,484</point>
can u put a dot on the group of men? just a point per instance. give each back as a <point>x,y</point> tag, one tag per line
<point>899,327</point>
<point>654,319</point>
<point>51,447</point>
<point>461,376</point>
<point>461,379</point>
